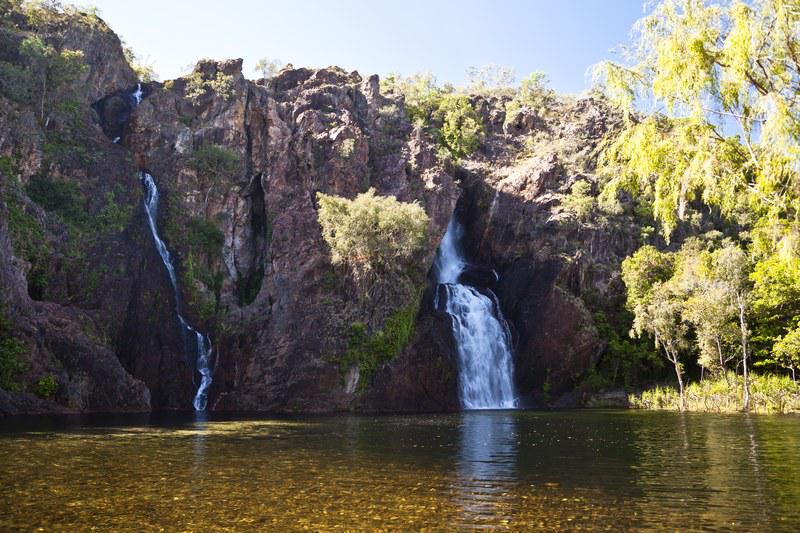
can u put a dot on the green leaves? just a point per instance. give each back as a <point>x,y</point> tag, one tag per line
<point>713,68</point>
<point>372,235</point>
<point>462,129</point>
<point>215,162</point>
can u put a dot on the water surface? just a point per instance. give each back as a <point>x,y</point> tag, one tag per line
<point>597,470</point>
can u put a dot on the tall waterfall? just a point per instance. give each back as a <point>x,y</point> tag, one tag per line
<point>202,344</point>
<point>486,367</point>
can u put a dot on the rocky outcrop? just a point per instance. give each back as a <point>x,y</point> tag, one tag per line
<point>238,164</point>
<point>282,311</point>
<point>546,257</point>
<point>56,343</point>
<point>425,377</point>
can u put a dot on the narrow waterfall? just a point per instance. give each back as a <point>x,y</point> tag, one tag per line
<point>202,343</point>
<point>135,99</point>
<point>486,367</point>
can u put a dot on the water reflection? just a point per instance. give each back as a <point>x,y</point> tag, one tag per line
<point>487,463</point>
<point>199,437</point>
<point>521,471</point>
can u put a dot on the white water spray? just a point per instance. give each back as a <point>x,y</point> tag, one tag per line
<point>137,94</point>
<point>203,348</point>
<point>486,368</point>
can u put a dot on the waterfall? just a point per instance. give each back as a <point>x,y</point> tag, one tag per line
<point>135,99</point>
<point>486,367</point>
<point>202,343</point>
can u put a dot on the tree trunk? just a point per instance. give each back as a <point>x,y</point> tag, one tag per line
<point>44,95</point>
<point>722,362</point>
<point>673,357</point>
<point>743,328</point>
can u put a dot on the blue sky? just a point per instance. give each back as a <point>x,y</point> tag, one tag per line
<point>560,37</point>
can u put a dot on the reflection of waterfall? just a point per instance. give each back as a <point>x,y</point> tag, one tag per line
<point>487,463</point>
<point>200,344</point>
<point>486,371</point>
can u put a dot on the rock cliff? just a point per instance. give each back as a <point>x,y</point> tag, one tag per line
<point>238,164</point>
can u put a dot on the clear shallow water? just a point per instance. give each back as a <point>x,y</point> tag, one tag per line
<point>591,470</point>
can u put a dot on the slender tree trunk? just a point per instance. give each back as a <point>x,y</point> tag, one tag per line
<point>743,328</point>
<point>44,95</point>
<point>722,362</point>
<point>673,357</point>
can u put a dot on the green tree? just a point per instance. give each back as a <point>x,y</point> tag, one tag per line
<point>775,301</point>
<point>268,68</point>
<point>462,128</point>
<point>786,352</point>
<point>732,269</point>
<point>491,80</point>
<point>375,237</point>
<point>708,63</point>
<point>49,67</point>
<point>421,94</point>
<point>655,296</point>
<point>533,93</point>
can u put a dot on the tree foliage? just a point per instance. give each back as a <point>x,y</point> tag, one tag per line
<point>713,67</point>
<point>373,236</point>
<point>267,67</point>
<point>462,128</point>
<point>723,81</point>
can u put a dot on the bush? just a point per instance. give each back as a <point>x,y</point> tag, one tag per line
<point>46,387</point>
<point>197,86</point>
<point>533,93</point>
<point>28,240</point>
<point>11,362</point>
<point>369,352</point>
<point>374,236</point>
<point>421,95</point>
<point>462,130</point>
<point>769,393</point>
<point>203,235</point>
<point>61,197</point>
<point>15,82</point>
<point>579,203</point>
<point>212,161</point>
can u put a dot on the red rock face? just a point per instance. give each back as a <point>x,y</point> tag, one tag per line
<point>306,132</point>
<point>276,309</point>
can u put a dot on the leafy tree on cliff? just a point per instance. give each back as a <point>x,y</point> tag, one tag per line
<point>533,93</point>
<point>268,68</point>
<point>462,129</point>
<point>374,237</point>
<point>421,93</point>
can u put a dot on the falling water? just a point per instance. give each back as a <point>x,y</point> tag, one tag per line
<point>486,373</point>
<point>135,99</point>
<point>137,95</point>
<point>203,346</point>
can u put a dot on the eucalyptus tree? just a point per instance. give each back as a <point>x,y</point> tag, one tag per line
<point>655,296</point>
<point>722,82</point>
